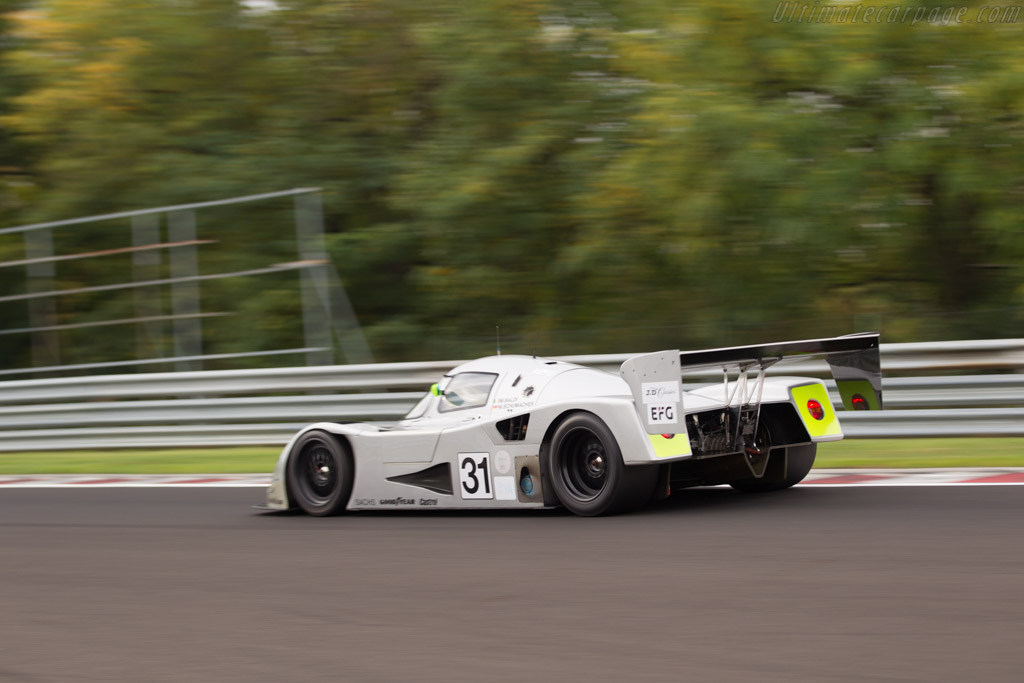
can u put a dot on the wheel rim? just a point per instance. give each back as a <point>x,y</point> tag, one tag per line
<point>318,474</point>
<point>583,464</point>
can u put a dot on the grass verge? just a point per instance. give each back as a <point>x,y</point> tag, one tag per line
<point>907,453</point>
<point>183,461</point>
<point>880,453</point>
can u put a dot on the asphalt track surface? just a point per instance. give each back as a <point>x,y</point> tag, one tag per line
<point>811,584</point>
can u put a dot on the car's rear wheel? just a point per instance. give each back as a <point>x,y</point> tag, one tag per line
<point>320,474</point>
<point>587,472</point>
<point>798,462</point>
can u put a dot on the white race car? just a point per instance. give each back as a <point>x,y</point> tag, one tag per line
<point>527,432</point>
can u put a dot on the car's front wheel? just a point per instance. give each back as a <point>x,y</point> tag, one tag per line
<point>587,472</point>
<point>320,474</point>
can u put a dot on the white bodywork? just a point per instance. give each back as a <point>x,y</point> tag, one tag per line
<point>468,439</point>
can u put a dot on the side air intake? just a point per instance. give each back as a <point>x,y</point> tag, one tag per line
<point>437,479</point>
<point>514,428</point>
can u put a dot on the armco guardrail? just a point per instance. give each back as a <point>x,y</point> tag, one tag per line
<point>377,377</point>
<point>919,423</point>
<point>219,408</point>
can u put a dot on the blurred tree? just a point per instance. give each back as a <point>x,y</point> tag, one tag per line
<point>522,92</point>
<point>798,168</point>
<point>590,175</point>
<point>137,102</point>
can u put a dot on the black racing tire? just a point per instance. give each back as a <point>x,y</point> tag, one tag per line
<point>799,460</point>
<point>587,473</point>
<point>320,474</point>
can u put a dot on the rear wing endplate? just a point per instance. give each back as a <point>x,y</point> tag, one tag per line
<point>655,378</point>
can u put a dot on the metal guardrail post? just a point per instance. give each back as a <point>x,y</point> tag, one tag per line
<point>188,330</point>
<point>41,313</point>
<point>325,304</point>
<point>146,266</point>
<point>316,310</point>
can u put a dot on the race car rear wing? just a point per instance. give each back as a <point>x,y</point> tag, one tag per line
<point>655,378</point>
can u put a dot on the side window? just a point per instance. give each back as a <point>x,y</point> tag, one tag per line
<point>466,390</point>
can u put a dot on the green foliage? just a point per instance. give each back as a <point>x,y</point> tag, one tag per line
<point>242,460</point>
<point>911,453</point>
<point>590,176</point>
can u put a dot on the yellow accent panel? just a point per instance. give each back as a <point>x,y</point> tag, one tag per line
<point>676,447</point>
<point>828,425</point>
<point>849,387</point>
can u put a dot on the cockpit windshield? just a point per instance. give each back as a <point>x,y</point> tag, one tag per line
<point>466,390</point>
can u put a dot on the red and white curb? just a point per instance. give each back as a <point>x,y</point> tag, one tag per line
<point>997,476</point>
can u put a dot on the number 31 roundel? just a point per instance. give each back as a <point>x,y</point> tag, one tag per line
<point>475,475</point>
